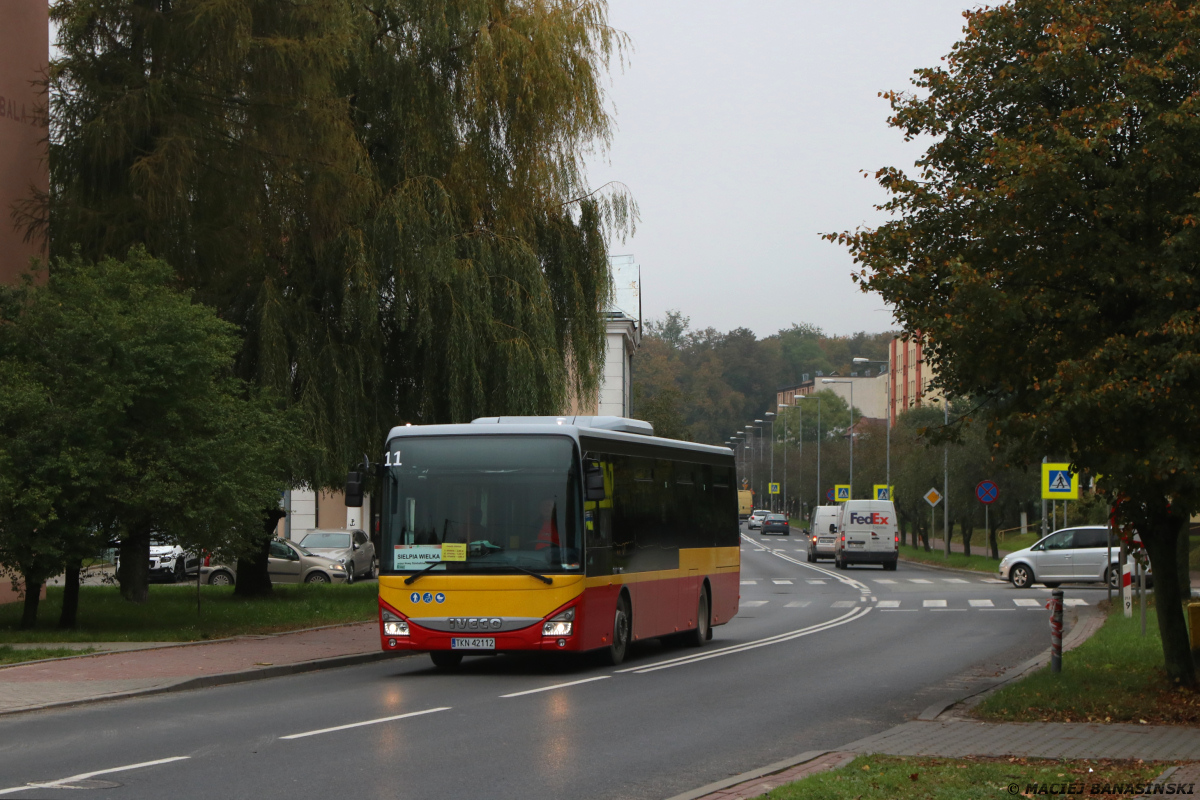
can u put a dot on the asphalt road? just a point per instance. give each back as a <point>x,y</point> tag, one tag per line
<point>816,658</point>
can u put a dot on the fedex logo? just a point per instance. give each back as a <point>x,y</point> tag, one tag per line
<point>874,518</point>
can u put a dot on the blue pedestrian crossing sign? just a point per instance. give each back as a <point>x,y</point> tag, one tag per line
<point>841,492</point>
<point>1059,483</point>
<point>884,492</point>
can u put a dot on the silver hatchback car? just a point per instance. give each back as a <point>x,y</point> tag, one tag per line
<point>1070,555</point>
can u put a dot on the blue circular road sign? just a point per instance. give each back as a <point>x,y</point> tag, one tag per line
<point>829,494</point>
<point>987,492</point>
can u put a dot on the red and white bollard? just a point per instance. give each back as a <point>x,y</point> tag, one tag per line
<point>1055,604</point>
<point>1127,586</point>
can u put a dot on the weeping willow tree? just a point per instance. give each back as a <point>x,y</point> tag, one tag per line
<point>388,197</point>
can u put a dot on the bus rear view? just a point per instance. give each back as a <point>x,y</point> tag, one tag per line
<point>560,534</point>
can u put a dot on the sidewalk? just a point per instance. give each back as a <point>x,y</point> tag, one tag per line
<point>150,668</point>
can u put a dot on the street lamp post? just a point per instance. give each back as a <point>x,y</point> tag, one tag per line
<point>785,444</point>
<point>770,496</point>
<point>830,380</point>
<point>818,399</point>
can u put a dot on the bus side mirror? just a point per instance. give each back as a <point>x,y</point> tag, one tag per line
<point>354,490</point>
<point>593,480</point>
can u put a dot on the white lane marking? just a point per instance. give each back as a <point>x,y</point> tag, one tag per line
<point>782,583</point>
<point>883,580</point>
<point>862,587</point>
<point>935,604</point>
<point>849,616</point>
<point>918,580</point>
<point>980,603</point>
<point>749,583</point>
<point>798,604</point>
<point>954,580</point>
<point>817,583</point>
<point>889,604</point>
<point>367,722</point>
<point>992,580</point>
<point>1074,601</point>
<point>999,609</point>
<point>1027,602</point>
<point>844,604</point>
<point>753,603</point>
<point>556,686</point>
<point>83,776</point>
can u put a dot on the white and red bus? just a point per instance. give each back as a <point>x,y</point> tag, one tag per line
<point>552,533</point>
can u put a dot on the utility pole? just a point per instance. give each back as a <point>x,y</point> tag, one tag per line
<point>946,481</point>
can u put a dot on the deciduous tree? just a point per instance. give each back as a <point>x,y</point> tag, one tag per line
<point>1047,247</point>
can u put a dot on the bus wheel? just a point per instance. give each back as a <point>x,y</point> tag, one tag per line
<point>700,634</point>
<point>614,654</point>
<point>445,659</point>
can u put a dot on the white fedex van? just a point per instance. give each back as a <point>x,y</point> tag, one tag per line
<point>866,534</point>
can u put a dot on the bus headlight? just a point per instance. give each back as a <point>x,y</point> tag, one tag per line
<point>393,625</point>
<point>560,624</point>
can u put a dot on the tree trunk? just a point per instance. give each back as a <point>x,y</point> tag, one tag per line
<point>33,596</point>
<point>134,571</point>
<point>70,602</point>
<point>1182,559</point>
<point>1162,546</point>
<point>253,579</point>
<point>902,524</point>
<point>992,543</point>
<point>925,538</point>
<point>968,530</point>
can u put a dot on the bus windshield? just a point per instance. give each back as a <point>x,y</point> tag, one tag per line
<point>481,504</point>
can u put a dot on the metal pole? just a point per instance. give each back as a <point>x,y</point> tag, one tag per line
<point>1044,531</point>
<point>784,487</point>
<point>1056,629</point>
<point>888,468</point>
<point>946,481</point>
<point>851,440</point>
<point>818,451</point>
<point>1108,566</point>
<point>1142,593</point>
<point>772,462</point>
<point>800,469</point>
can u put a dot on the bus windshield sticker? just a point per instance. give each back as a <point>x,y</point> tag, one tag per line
<point>417,556</point>
<point>454,551</point>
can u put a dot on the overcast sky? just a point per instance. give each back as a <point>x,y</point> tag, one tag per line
<point>742,131</point>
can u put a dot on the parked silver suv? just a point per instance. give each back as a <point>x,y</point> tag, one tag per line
<point>1070,555</point>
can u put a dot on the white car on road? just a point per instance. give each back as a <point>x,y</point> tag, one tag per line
<point>1070,555</point>
<point>756,518</point>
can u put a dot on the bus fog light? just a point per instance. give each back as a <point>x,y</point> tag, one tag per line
<point>391,642</point>
<point>562,642</point>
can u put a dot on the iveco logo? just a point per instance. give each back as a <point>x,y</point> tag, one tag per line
<point>476,623</point>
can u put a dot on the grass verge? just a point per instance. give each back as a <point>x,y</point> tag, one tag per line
<point>956,560</point>
<point>170,613</point>
<point>13,655</point>
<point>899,778</point>
<point>1115,676</point>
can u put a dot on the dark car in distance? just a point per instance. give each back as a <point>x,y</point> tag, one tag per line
<point>776,523</point>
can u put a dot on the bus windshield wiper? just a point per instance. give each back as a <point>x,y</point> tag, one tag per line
<point>428,567</point>
<point>538,575</point>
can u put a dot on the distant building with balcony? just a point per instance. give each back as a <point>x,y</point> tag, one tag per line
<point>623,336</point>
<point>911,376</point>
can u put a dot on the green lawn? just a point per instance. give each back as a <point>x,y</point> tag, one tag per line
<point>170,613</point>
<point>1115,676</point>
<point>956,560</point>
<point>900,778</point>
<point>12,655</point>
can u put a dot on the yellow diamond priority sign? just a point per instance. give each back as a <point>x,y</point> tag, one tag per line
<point>933,497</point>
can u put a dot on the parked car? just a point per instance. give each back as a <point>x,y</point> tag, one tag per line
<point>756,518</point>
<point>168,562</point>
<point>287,562</point>
<point>867,534</point>
<point>776,523</point>
<point>350,547</point>
<point>822,532</point>
<point>1070,555</point>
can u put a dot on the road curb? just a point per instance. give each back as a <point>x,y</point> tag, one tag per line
<point>224,679</point>
<point>761,772</point>
<point>1089,620</point>
<point>959,570</point>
